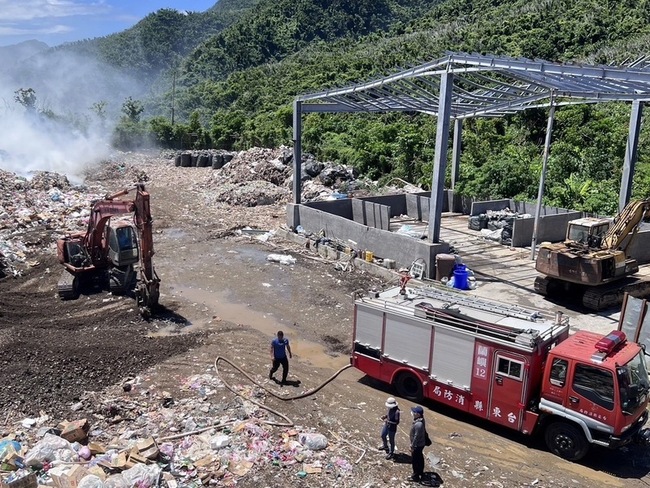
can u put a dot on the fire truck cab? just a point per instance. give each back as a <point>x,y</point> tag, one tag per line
<point>599,387</point>
<point>506,364</point>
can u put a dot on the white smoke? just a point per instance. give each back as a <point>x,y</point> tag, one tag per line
<point>64,134</point>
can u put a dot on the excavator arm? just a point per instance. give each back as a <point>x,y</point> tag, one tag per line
<point>626,224</point>
<point>147,291</point>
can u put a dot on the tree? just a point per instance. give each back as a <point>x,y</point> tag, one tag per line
<point>27,98</point>
<point>132,109</point>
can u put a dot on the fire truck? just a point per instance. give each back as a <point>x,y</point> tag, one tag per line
<point>507,364</point>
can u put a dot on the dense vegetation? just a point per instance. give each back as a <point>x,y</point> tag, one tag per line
<point>230,75</point>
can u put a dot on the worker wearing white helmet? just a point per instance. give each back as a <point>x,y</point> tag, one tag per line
<point>388,431</point>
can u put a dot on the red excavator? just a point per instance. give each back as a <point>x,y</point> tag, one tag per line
<point>108,251</point>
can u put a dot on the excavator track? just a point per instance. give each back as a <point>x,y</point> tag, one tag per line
<point>68,286</point>
<point>542,285</point>
<point>610,295</point>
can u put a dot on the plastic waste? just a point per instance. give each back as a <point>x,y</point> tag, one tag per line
<point>116,481</point>
<point>432,459</point>
<point>55,194</point>
<point>142,475</point>
<point>219,441</point>
<point>50,448</point>
<point>91,481</point>
<point>84,453</point>
<point>281,258</point>
<point>315,442</point>
<point>6,445</point>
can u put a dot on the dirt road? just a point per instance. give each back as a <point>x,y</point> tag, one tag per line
<point>222,297</point>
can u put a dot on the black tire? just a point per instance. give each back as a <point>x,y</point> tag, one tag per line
<point>409,386</point>
<point>566,440</point>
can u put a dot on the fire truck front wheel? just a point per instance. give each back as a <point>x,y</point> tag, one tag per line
<point>408,386</point>
<point>566,440</point>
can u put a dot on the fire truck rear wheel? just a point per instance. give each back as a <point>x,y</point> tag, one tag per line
<point>409,386</point>
<point>566,440</point>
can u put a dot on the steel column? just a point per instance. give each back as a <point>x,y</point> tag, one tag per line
<point>456,151</point>
<point>440,157</point>
<point>542,178</point>
<point>297,151</point>
<point>630,154</point>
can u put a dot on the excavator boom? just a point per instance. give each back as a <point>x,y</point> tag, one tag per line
<point>626,224</point>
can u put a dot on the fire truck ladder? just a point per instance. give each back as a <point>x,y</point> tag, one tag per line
<point>479,303</point>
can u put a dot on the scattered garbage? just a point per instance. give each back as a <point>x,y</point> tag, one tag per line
<point>315,442</point>
<point>140,442</point>
<point>281,258</point>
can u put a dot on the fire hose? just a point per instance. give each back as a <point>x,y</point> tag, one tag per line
<point>288,422</point>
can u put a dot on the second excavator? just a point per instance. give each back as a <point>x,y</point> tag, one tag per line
<point>594,260</point>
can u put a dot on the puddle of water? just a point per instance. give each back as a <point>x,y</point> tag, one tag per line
<point>174,233</point>
<point>219,304</point>
<point>257,256</point>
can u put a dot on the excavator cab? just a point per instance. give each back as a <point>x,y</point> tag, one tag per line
<point>123,249</point>
<point>587,231</point>
<point>74,253</point>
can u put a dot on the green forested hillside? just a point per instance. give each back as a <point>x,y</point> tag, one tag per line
<point>275,29</point>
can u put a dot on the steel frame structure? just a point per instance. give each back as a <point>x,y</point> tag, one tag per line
<point>459,85</point>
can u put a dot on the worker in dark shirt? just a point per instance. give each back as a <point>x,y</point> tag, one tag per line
<point>279,349</point>
<point>391,421</point>
<point>417,437</point>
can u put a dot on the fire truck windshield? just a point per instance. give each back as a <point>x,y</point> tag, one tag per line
<point>633,383</point>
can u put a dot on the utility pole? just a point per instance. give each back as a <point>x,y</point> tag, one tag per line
<point>173,93</point>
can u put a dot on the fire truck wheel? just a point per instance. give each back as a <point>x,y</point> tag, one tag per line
<point>409,386</point>
<point>566,440</point>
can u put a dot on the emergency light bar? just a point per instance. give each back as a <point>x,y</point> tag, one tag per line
<point>608,343</point>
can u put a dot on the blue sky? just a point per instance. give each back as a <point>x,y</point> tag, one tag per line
<point>57,21</point>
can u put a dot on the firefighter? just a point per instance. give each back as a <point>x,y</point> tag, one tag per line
<point>417,437</point>
<point>279,349</point>
<point>391,421</point>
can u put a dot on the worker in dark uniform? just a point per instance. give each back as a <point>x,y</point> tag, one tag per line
<point>417,437</point>
<point>391,421</point>
<point>279,349</point>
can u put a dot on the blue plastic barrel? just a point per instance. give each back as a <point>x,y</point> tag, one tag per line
<point>461,278</point>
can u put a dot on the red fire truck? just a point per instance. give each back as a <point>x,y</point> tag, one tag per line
<point>506,364</point>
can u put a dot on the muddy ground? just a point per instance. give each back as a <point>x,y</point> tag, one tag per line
<point>221,297</point>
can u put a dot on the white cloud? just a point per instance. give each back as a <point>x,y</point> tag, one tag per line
<point>11,10</point>
<point>51,29</point>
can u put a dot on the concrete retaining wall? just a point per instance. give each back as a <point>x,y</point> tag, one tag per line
<point>384,244</point>
<point>479,208</point>
<point>551,228</point>
<point>371,214</point>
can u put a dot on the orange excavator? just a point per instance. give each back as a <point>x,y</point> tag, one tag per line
<point>593,259</point>
<point>109,250</point>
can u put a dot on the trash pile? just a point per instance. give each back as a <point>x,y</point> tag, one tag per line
<point>261,176</point>
<point>145,438</point>
<point>496,225</point>
<point>31,208</point>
